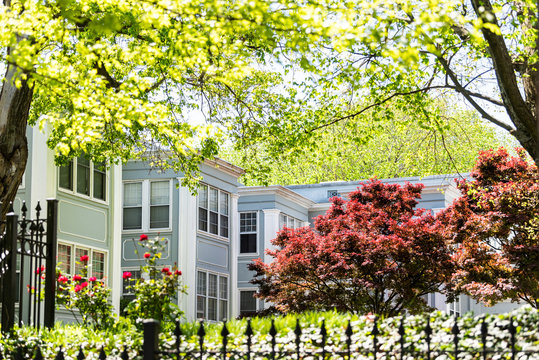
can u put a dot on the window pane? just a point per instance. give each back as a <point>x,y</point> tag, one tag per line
<point>223,310</point>
<point>223,287</point>
<point>83,175</point>
<point>132,218</point>
<point>214,194</point>
<point>133,194</point>
<point>212,285</point>
<point>79,265</point>
<point>248,222</point>
<point>247,302</point>
<point>212,309</point>
<point>135,274</point>
<point>99,181</point>
<point>290,222</point>
<point>201,283</point>
<point>160,192</point>
<point>248,243</point>
<point>64,258</point>
<point>202,219</point>
<point>201,307</point>
<point>282,221</point>
<point>213,222</point>
<point>159,217</point>
<point>203,197</point>
<point>98,265</point>
<point>66,176</point>
<point>223,205</point>
<point>224,226</point>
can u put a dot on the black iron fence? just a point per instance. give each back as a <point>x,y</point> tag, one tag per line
<point>28,267</point>
<point>477,340</point>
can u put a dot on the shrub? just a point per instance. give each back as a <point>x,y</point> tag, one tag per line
<point>91,297</point>
<point>156,290</point>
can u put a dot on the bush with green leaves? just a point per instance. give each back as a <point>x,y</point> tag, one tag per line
<point>90,296</point>
<point>157,288</point>
<point>124,335</point>
<point>525,321</point>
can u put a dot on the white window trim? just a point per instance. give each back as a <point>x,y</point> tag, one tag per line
<point>146,188</point>
<point>90,260</point>
<point>207,233</point>
<point>455,307</point>
<point>91,185</point>
<point>225,275</point>
<point>257,236</point>
<point>296,220</point>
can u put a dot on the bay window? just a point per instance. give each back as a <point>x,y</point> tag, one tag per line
<point>84,177</point>
<point>212,296</point>
<point>213,211</point>
<point>68,260</point>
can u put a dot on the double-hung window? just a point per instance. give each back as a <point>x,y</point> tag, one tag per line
<point>69,260</point>
<point>248,232</point>
<point>146,205</point>
<point>247,303</point>
<point>81,176</point>
<point>212,296</point>
<point>213,211</point>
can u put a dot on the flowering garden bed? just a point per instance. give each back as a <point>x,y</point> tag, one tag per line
<point>319,335</point>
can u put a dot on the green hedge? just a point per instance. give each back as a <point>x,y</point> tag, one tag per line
<point>70,338</point>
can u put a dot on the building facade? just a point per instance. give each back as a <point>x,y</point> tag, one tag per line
<point>211,236</point>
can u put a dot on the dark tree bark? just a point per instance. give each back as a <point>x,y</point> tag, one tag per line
<point>521,111</point>
<point>14,111</point>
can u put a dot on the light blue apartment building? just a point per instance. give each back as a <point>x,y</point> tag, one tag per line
<point>211,236</point>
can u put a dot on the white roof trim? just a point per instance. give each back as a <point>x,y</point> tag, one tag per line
<point>225,167</point>
<point>277,190</point>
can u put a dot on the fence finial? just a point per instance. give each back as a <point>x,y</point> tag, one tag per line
<point>80,355</point>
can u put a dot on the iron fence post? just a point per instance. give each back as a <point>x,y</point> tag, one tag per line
<point>10,277</point>
<point>151,339</point>
<point>50,263</point>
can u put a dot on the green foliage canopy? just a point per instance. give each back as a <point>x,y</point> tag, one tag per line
<point>365,147</point>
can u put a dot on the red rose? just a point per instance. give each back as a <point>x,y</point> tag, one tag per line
<point>147,255</point>
<point>62,279</point>
<point>143,237</point>
<point>78,288</point>
<point>77,277</point>
<point>84,284</point>
<point>165,270</point>
<point>169,273</point>
<point>84,258</point>
<point>126,275</point>
<point>178,272</point>
<point>92,278</point>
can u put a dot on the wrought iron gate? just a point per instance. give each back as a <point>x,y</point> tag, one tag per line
<point>28,267</point>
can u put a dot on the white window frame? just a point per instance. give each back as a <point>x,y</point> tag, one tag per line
<point>146,194</point>
<point>218,298</point>
<point>91,250</point>
<point>297,222</point>
<point>131,269</point>
<point>455,308</point>
<point>249,232</point>
<point>74,191</point>
<point>207,232</point>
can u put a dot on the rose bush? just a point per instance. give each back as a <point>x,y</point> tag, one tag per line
<point>156,290</point>
<point>91,297</point>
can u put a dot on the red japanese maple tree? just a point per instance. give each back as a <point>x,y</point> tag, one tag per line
<point>374,253</point>
<point>494,228</point>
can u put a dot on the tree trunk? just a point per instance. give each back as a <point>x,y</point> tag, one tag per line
<point>14,111</point>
